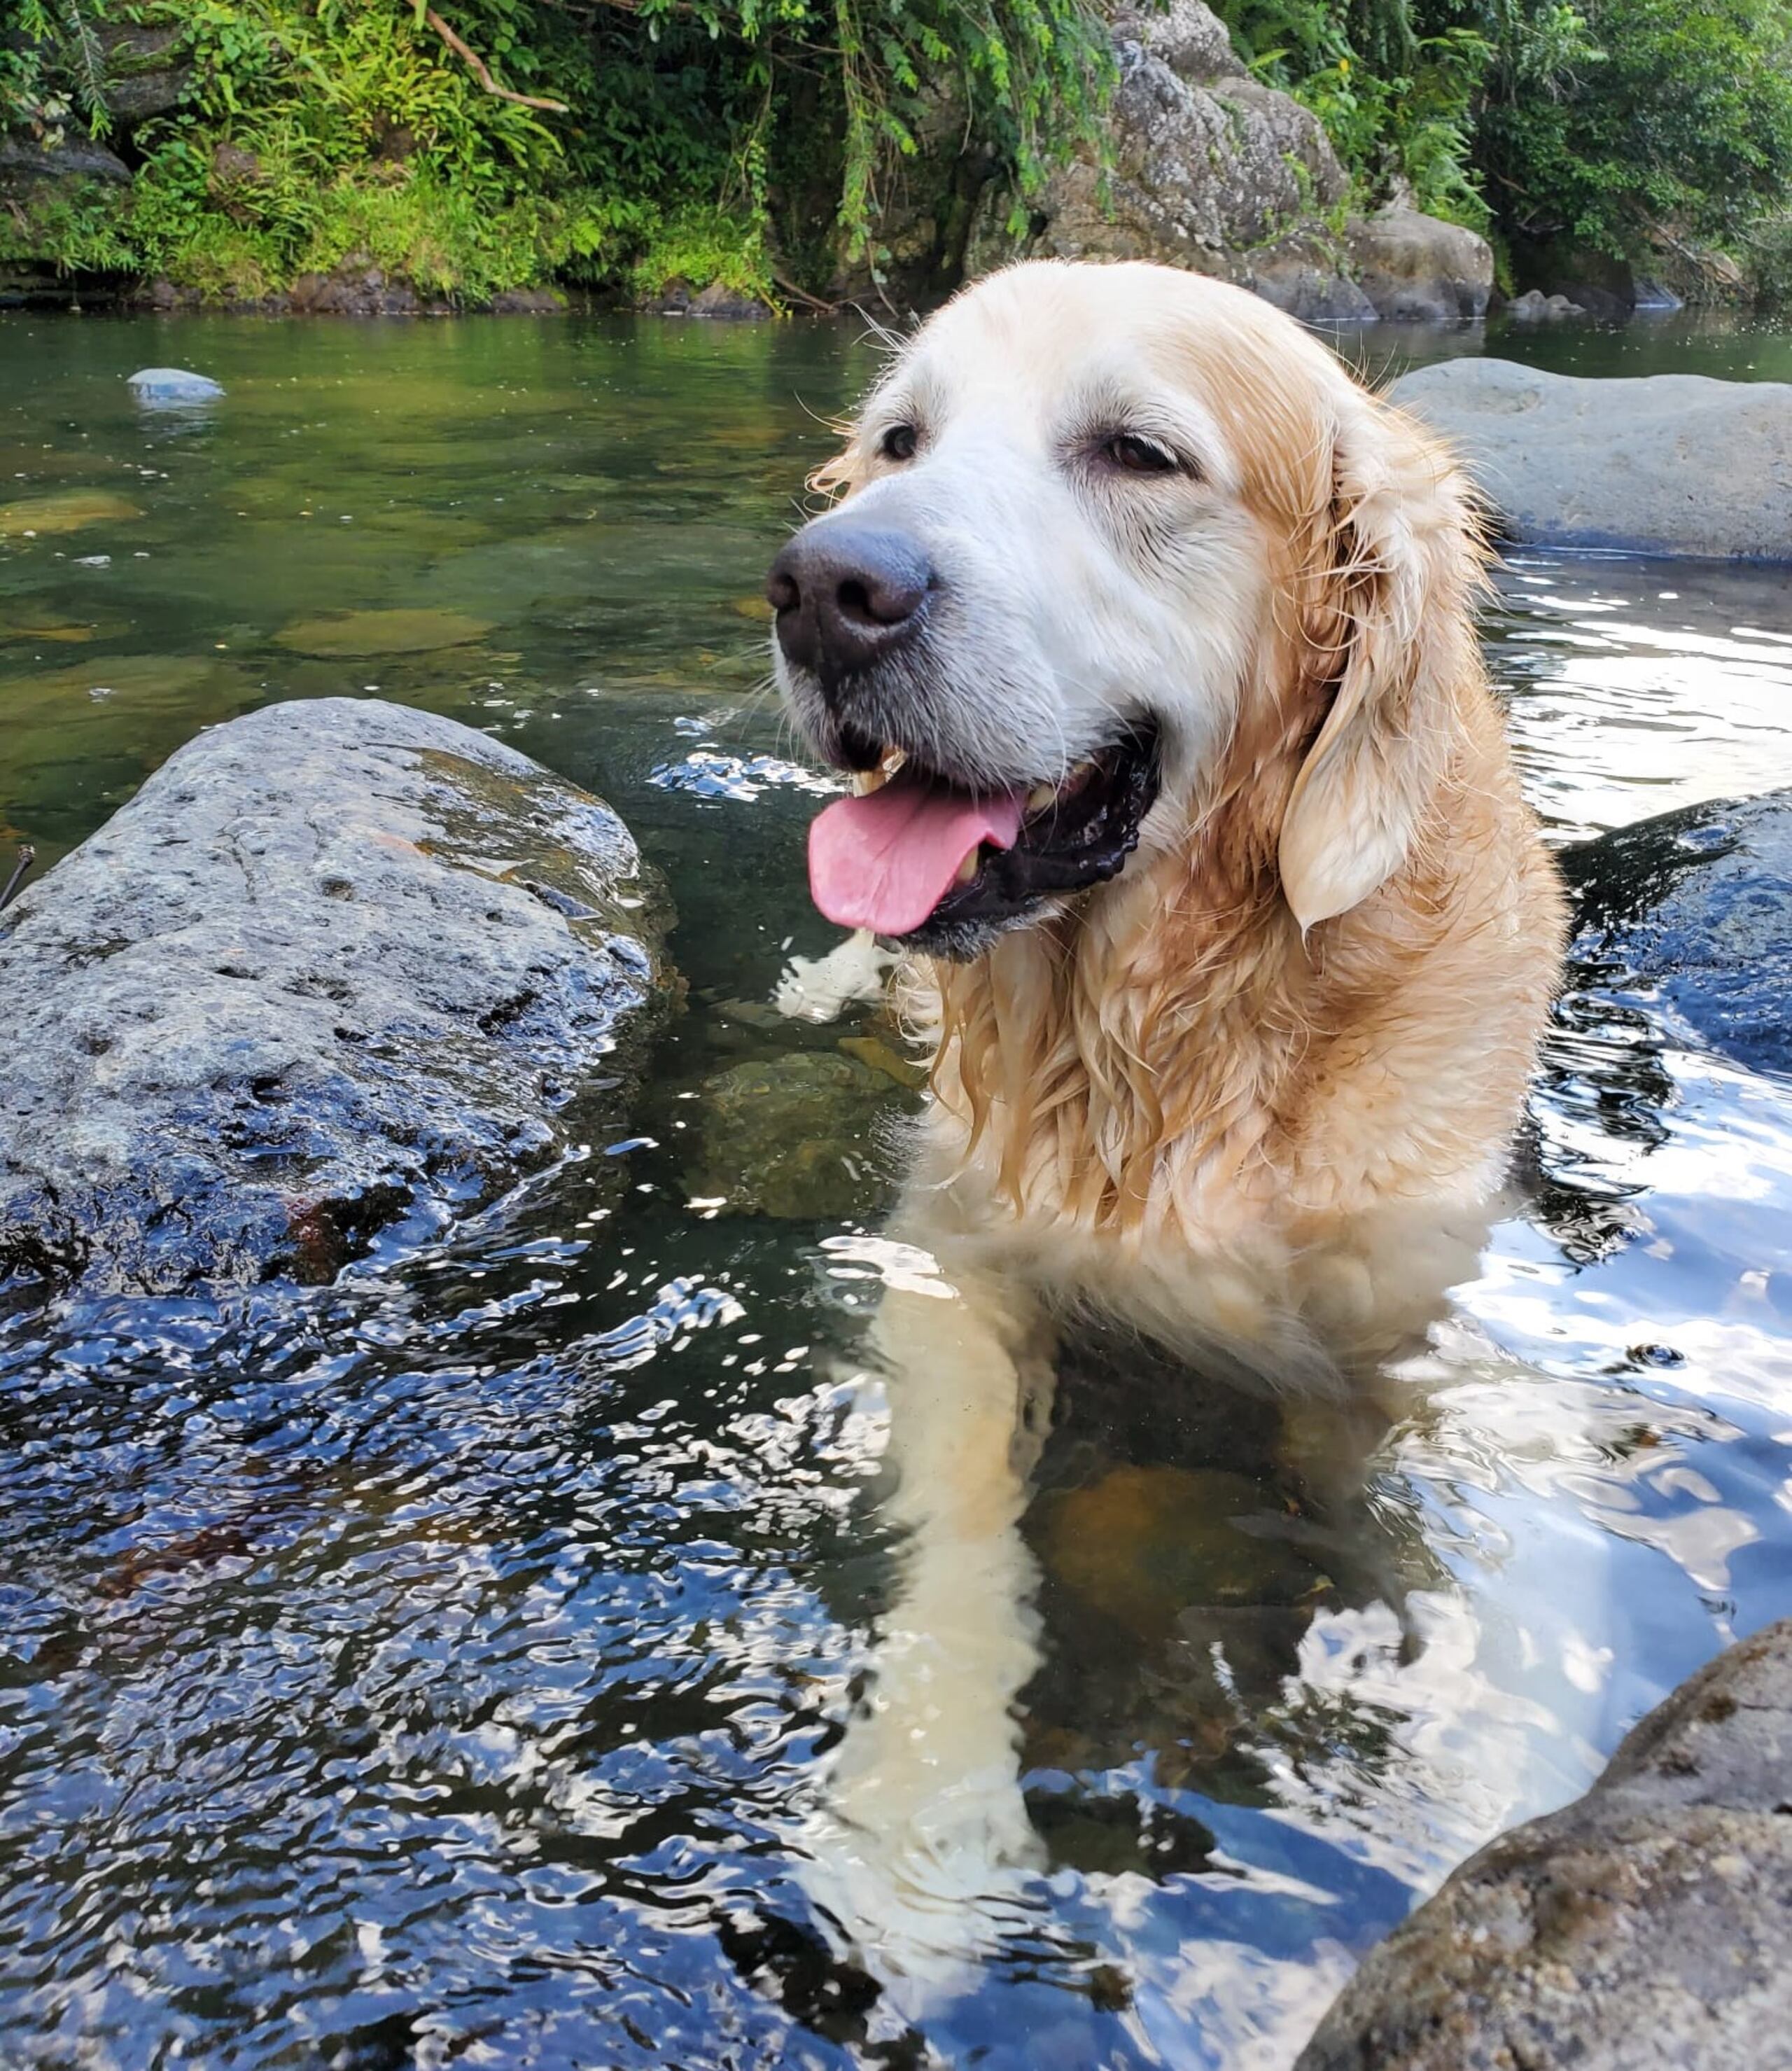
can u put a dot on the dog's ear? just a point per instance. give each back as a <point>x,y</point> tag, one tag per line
<point>1401,558</point>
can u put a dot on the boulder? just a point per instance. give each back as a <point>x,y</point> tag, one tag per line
<point>1214,170</point>
<point>25,167</point>
<point>1417,269</point>
<point>146,74</point>
<point>680,299</point>
<point>1691,913</point>
<point>355,287</point>
<point>1645,1928</point>
<point>1210,170</point>
<point>339,969</point>
<point>1535,306</point>
<point>1669,464</point>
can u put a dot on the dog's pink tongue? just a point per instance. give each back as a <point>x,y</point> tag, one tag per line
<point>885,861</point>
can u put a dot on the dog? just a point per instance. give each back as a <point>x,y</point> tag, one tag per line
<point>1146,633</point>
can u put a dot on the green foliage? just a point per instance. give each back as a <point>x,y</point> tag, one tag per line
<point>1406,121</point>
<point>51,66</point>
<point>1593,120</point>
<point>317,129</point>
<point>732,140</point>
<point>1602,120</point>
<point>84,227</point>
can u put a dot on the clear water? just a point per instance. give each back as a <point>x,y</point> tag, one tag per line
<point>436,1674</point>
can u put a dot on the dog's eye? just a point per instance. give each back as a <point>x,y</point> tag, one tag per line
<point>899,442</point>
<point>1134,455</point>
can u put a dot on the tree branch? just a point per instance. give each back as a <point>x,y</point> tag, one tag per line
<point>482,71</point>
<point>803,295</point>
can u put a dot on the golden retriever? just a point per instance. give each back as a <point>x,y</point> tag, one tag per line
<point>1147,632</point>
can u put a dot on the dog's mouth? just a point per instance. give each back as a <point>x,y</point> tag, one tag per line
<point>915,856</point>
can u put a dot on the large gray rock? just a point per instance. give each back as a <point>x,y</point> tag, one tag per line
<point>339,966</point>
<point>1646,1928</point>
<point>1689,915</point>
<point>1672,464</point>
<point>25,166</point>
<point>1213,170</point>
<point>1417,269</point>
<point>146,74</point>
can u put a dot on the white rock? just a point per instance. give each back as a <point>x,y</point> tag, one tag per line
<point>161,387</point>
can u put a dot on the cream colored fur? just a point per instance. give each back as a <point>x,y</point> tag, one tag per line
<point>1253,1097</point>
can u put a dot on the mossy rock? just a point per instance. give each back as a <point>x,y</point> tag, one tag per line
<point>23,627</point>
<point>65,511</point>
<point>357,635</point>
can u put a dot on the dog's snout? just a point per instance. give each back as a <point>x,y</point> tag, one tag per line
<point>845,594</point>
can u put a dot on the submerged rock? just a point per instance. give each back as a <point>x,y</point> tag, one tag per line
<point>1691,913</point>
<point>163,386</point>
<point>65,510</point>
<point>339,967</point>
<point>1646,1925</point>
<point>797,1136</point>
<point>1670,464</point>
<point>362,635</point>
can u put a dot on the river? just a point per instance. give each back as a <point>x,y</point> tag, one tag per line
<point>438,1673</point>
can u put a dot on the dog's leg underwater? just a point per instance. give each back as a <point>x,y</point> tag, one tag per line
<point>921,1847</point>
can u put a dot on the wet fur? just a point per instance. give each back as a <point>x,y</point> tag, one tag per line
<point>1311,1002</point>
<point>1252,1098</point>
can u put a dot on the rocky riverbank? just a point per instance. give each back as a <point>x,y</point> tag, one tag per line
<point>1202,165</point>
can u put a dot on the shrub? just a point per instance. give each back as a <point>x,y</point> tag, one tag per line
<point>314,128</point>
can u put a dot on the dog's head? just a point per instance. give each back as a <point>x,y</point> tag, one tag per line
<point>1112,539</point>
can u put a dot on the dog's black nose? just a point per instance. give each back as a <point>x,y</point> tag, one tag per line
<point>846,595</point>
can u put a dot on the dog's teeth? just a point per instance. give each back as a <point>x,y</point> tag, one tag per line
<point>967,870</point>
<point>865,782</point>
<point>1040,797</point>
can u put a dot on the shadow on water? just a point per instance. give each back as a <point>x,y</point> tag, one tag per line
<point>435,1667</point>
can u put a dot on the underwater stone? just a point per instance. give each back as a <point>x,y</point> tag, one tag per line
<point>163,385</point>
<point>340,968</point>
<point>802,1136</point>
<point>65,510</point>
<point>357,636</point>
